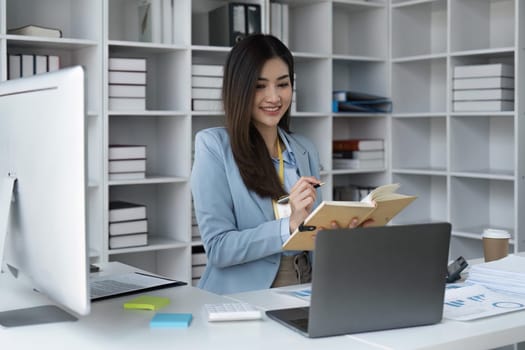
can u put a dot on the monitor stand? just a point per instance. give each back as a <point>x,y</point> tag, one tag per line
<point>33,315</point>
<point>6,195</point>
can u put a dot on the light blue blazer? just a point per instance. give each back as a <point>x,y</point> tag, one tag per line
<point>239,231</point>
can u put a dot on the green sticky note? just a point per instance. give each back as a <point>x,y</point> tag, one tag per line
<point>146,302</point>
<point>170,320</point>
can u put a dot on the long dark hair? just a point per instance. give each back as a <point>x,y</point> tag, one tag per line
<point>241,71</point>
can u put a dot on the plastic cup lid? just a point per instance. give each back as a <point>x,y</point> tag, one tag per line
<point>495,233</point>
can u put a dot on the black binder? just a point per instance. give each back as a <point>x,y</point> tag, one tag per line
<point>231,23</point>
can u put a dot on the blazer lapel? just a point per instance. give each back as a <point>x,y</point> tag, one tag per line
<point>265,204</point>
<point>301,156</point>
<point>303,164</point>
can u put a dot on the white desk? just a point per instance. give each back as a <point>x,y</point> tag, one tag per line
<point>109,326</point>
<point>479,334</point>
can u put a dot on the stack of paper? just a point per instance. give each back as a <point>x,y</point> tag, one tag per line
<point>128,225</point>
<point>483,87</point>
<point>206,87</point>
<point>505,275</point>
<point>127,83</point>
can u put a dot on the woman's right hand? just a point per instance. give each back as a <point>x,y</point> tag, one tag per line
<point>302,198</point>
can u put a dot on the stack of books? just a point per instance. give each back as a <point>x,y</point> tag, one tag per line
<point>206,87</point>
<point>127,84</point>
<point>359,102</point>
<point>198,263</point>
<point>36,30</point>
<point>483,87</point>
<point>358,154</point>
<point>128,225</point>
<point>127,162</point>
<point>25,65</point>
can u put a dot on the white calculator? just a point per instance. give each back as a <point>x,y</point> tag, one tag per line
<point>235,311</point>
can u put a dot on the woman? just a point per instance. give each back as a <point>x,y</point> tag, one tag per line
<point>241,170</point>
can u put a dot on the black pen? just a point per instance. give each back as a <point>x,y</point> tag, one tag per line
<point>284,199</point>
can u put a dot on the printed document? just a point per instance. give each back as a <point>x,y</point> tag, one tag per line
<point>476,301</point>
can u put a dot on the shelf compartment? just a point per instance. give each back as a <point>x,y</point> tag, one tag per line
<point>76,19</point>
<point>209,57</point>
<point>168,210</point>
<point>505,57</point>
<point>363,127</point>
<point>312,98</point>
<point>482,24</point>
<point>303,35</point>
<point>431,202</point>
<point>419,29</point>
<point>361,76</point>
<point>124,22</point>
<point>430,136</point>
<point>465,247</point>
<point>477,204</point>
<point>359,30</point>
<point>368,179</point>
<point>86,56</point>
<point>171,261</point>
<point>165,138</point>
<point>316,129</point>
<point>167,78</point>
<point>200,19</point>
<point>483,144</point>
<point>468,245</point>
<point>419,86</point>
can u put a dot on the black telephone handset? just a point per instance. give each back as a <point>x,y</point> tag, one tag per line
<point>455,268</point>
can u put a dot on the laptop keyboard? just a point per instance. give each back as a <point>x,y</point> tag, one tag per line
<point>301,324</point>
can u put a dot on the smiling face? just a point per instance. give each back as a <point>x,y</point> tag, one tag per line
<point>273,94</point>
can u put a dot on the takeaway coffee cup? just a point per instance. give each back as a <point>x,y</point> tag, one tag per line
<point>495,244</point>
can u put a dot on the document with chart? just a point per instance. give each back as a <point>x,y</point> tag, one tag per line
<point>476,301</point>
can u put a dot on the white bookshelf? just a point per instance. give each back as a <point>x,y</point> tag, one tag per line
<point>359,62</point>
<point>81,45</point>
<point>464,167</point>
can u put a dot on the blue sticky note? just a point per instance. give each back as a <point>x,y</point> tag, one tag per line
<point>170,320</point>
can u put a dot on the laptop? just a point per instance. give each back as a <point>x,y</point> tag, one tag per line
<point>375,278</point>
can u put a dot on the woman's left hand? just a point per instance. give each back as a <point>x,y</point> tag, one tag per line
<point>353,224</point>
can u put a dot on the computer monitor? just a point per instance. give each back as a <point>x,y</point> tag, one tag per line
<point>43,192</point>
